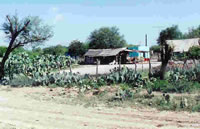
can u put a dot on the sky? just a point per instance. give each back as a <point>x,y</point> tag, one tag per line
<point>76,19</point>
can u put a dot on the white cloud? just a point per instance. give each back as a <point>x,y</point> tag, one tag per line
<point>58,18</point>
<point>56,14</point>
<point>54,10</point>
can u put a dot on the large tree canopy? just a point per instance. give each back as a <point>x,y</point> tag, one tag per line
<point>106,37</point>
<point>169,33</point>
<point>20,32</point>
<point>77,48</point>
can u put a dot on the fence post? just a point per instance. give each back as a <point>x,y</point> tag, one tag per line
<point>150,67</point>
<point>120,58</point>
<point>97,67</point>
<point>70,68</point>
<point>135,66</point>
<point>142,65</point>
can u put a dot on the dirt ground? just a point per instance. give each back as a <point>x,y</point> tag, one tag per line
<point>37,108</point>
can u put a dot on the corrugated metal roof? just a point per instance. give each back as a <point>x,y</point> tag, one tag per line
<point>104,52</point>
<point>93,52</point>
<point>108,52</point>
<point>183,45</point>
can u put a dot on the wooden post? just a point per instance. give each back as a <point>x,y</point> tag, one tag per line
<point>97,67</point>
<point>135,66</point>
<point>142,66</point>
<point>70,68</point>
<point>120,58</point>
<point>150,67</point>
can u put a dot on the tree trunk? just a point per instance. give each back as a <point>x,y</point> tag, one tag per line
<point>2,63</point>
<point>10,48</point>
<point>162,70</point>
<point>1,71</point>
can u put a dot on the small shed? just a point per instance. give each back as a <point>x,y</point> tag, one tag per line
<point>106,56</point>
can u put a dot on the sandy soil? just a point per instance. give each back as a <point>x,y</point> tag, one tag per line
<point>103,69</point>
<point>27,108</point>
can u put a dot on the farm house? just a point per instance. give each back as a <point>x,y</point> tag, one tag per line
<point>106,56</point>
<point>140,52</point>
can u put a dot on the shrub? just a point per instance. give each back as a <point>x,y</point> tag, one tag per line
<point>124,94</point>
<point>196,108</point>
<point>125,75</point>
<point>38,66</point>
<point>21,80</point>
<point>180,86</point>
<point>177,80</point>
<point>58,79</point>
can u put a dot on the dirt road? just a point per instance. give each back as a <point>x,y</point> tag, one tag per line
<point>20,110</point>
<point>103,69</point>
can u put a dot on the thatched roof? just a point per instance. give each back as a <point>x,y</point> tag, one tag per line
<point>183,45</point>
<point>104,52</point>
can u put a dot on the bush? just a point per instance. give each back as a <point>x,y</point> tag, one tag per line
<point>38,66</point>
<point>196,108</point>
<point>159,85</point>
<point>124,93</point>
<point>58,79</point>
<point>125,75</point>
<point>177,80</point>
<point>21,80</point>
<point>180,86</point>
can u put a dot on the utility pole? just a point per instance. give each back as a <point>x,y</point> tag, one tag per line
<point>146,40</point>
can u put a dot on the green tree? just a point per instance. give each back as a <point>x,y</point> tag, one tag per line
<point>155,48</point>
<point>18,50</point>
<point>37,50</point>
<point>167,50</point>
<point>193,33</point>
<point>106,37</point>
<point>194,53</point>
<point>55,50</point>
<point>48,50</point>
<point>77,48</point>
<point>2,50</point>
<point>20,32</point>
